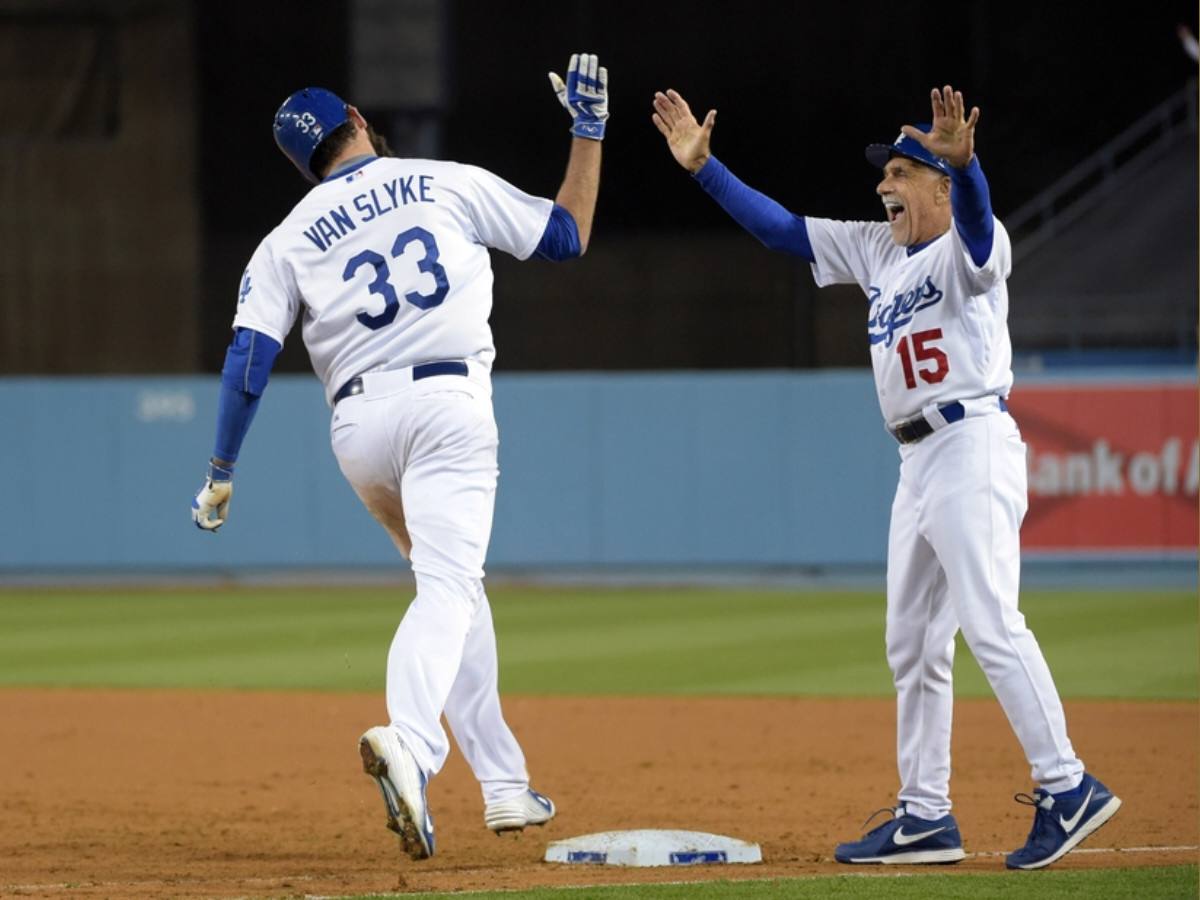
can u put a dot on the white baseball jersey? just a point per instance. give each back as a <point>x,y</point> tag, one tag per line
<point>389,265</point>
<point>938,324</point>
<point>938,328</point>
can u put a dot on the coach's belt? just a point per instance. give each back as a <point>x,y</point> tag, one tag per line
<point>425,370</point>
<point>917,428</point>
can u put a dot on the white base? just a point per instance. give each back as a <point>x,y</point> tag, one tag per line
<point>649,847</point>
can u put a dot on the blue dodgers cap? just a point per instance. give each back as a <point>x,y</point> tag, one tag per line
<point>304,120</point>
<point>879,154</point>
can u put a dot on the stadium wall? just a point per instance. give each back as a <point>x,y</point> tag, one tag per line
<point>601,471</point>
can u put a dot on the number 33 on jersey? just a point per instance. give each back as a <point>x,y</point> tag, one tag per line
<point>935,320</point>
<point>388,266</point>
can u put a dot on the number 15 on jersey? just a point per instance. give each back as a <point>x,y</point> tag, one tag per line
<point>922,350</point>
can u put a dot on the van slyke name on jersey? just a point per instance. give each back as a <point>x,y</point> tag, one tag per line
<point>372,204</point>
<point>887,317</point>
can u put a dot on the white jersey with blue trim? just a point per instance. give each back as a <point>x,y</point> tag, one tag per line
<point>937,323</point>
<point>388,265</point>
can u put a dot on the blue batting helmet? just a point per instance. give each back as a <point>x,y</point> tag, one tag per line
<point>304,120</point>
<point>879,154</point>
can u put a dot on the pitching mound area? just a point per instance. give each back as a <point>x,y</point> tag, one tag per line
<point>251,794</point>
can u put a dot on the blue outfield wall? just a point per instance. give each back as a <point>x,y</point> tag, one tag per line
<point>721,469</point>
<point>597,471</point>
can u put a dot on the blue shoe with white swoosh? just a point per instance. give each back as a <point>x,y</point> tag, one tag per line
<point>402,783</point>
<point>1062,821</point>
<point>906,839</point>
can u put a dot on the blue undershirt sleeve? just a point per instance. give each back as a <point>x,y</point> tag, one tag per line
<point>560,240</point>
<point>235,412</point>
<point>248,364</point>
<point>776,227</point>
<point>971,204</point>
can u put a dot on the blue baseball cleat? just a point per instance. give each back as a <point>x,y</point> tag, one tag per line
<point>1062,821</point>
<point>906,840</point>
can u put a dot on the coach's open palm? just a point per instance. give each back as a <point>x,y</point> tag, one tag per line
<point>687,139</point>
<point>952,136</point>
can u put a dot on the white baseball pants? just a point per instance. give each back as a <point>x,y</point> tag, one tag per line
<point>954,561</point>
<point>421,455</point>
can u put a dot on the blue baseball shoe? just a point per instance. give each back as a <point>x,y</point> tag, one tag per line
<point>1062,821</point>
<point>402,784</point>
<point>906,840</point>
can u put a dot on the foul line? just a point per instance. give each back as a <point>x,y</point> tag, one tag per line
<point>879,872</point>
<point>1080,850</point>
<point>909,871</point>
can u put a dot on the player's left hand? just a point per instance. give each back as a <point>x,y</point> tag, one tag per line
<point>584,95</point>
<point>952,136</point>
<point>210,508</point>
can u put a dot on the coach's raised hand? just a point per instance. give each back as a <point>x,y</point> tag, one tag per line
<point>952,136</point>
<point>687,139</point>
<point>584,95</point>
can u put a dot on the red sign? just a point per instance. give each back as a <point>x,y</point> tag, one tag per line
<point>1111,466</point>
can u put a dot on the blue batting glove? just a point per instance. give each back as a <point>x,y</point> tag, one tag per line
<point>584,95</point>
<point>210,508</point>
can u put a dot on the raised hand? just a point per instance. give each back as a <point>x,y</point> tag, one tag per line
<point>584,95</point>
<point>687,139</point>
<point>952,136</point>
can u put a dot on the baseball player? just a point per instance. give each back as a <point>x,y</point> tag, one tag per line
<point>386,263</point>
<point>934,276</point>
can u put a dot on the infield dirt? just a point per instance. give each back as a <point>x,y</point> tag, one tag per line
<point>252,794</point>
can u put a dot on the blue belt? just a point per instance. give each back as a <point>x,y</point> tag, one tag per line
<point>916,429</point>
<point>425,370</point>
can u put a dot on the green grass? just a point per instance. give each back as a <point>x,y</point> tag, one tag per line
<point>1140,645</point>
<point>1119,644</point>
<point>1167,883</point>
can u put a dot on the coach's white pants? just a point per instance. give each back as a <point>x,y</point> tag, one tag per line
<point>422,457</point>
<point>954,561</point>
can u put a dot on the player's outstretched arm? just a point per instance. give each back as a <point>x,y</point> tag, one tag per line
<point>952,136</point>
<point>687,139</point>
<point>584,94</point>
<point>689,142</point>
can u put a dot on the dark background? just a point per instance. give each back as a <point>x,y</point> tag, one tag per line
<point>800,89</point>
<point>670,281</point>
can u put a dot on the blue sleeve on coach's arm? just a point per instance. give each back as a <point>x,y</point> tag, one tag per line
<point>777,228</point>
<point>248,364</point>
<point>971,204</point>
<point>560,240</point>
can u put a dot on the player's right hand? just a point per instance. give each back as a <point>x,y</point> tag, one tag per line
<point>687,139</point>
<point>210,508</point>
<point>584,95</point>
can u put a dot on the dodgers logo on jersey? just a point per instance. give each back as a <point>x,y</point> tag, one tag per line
<point>244,291</point>
<point>887,317</point>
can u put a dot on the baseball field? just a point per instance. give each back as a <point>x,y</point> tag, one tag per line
<point>201,742</point>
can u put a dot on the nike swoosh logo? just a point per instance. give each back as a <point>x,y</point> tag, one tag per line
<point>900,839</point>
<point>1069,824</point>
